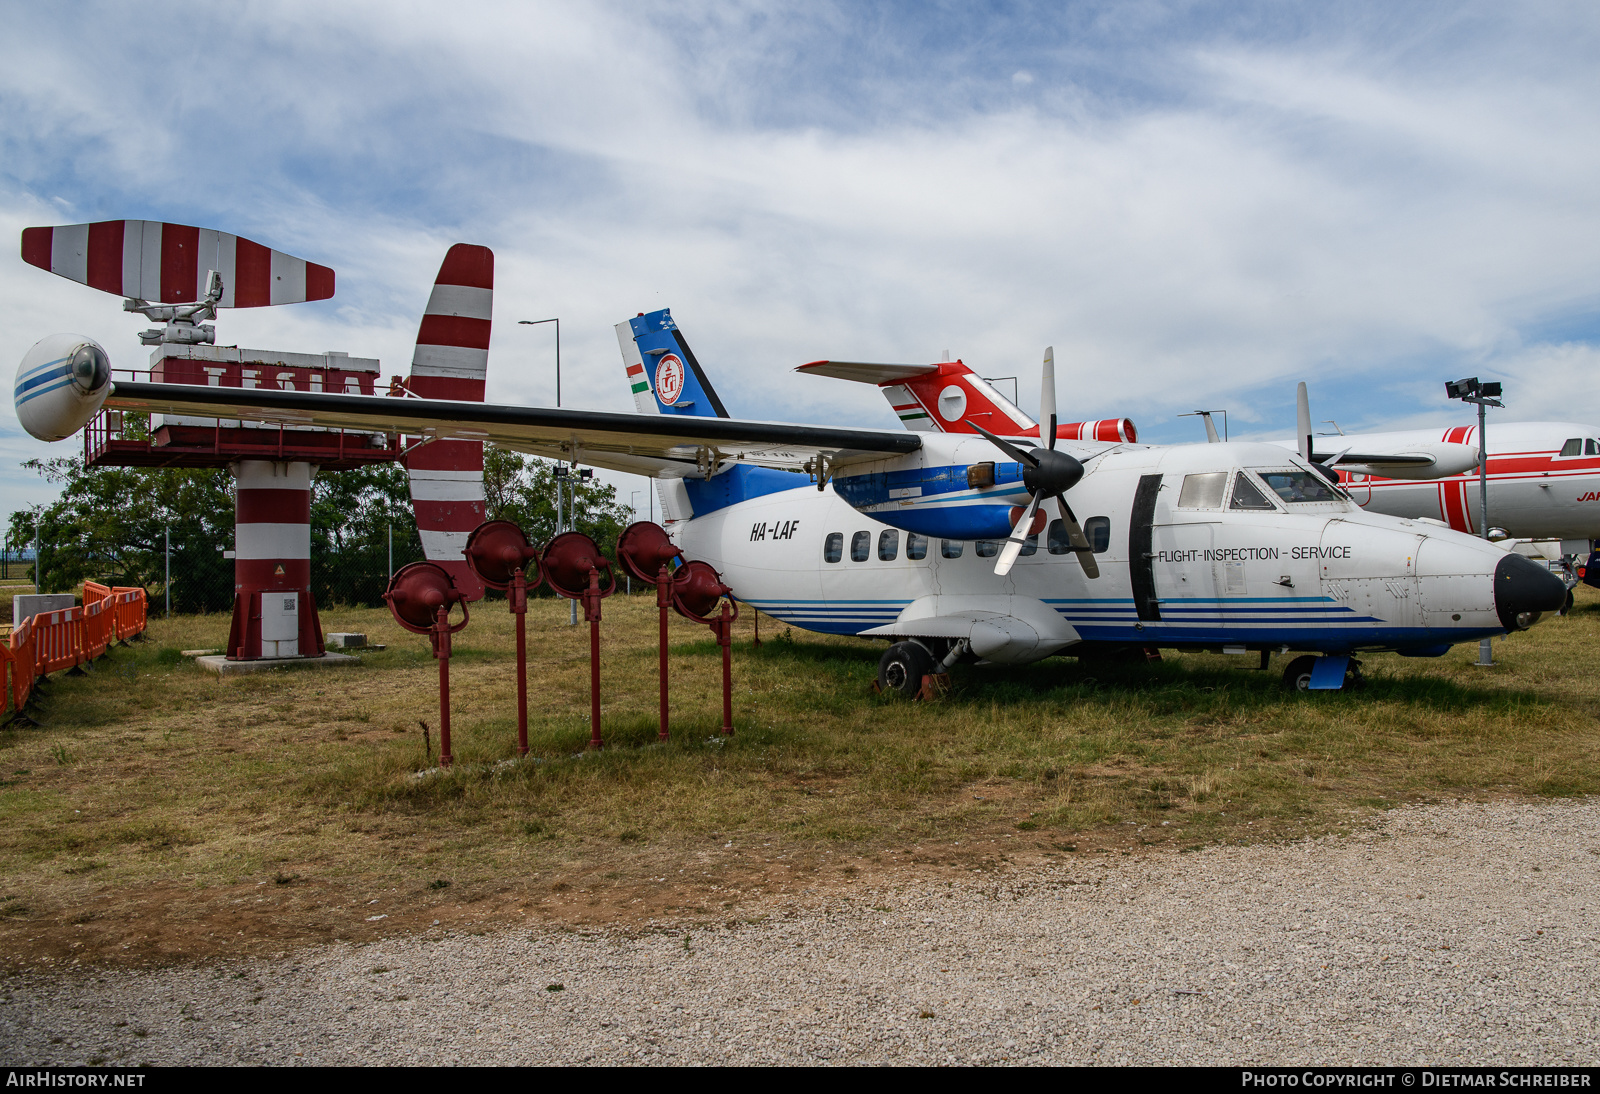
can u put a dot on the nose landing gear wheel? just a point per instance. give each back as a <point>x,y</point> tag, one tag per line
<point>902,667</point>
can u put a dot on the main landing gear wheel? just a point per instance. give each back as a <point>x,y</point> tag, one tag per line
<point>1297,677</point>
<point>902,667</point>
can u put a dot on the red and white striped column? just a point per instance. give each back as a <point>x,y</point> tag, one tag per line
<point>451,362</point>
<point>274,614</point>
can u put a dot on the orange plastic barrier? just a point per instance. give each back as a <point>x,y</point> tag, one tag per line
<point>98,616</point>
<point>130,607</point>
<point>59,635</point>
<point>52,641</point>
<point>22,660</point>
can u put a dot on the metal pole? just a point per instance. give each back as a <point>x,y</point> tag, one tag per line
<point>663,602</point>
<point>1483,476</point>
<point>390,527</point>
<point>572,522</point>
<point>1485,646</point>
<point>441,650</point>
<point>591,608</point>
<point>167,535</point>
<point>519,605</point>
<point>557,322</point>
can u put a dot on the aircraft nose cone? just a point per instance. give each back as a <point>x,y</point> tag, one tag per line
<point>1522,590</point>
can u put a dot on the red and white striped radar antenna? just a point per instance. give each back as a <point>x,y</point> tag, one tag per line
<point>175,274</point>
<point>451,362</point>
<point>167,263</point>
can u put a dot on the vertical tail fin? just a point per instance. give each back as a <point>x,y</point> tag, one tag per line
<point>662,369</point>
<point>452,362</point>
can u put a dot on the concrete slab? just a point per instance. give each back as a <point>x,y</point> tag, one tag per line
<point>223,667</point>
<point>25,605</point>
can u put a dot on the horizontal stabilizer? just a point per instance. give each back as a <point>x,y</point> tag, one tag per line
<point>863,372</point>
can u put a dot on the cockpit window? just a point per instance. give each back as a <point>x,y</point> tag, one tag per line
<point>1591,447</point>
<point>1203,491</point>
<point>1299,486</point>
<point>1246,496</point>
<point>1573,447</point>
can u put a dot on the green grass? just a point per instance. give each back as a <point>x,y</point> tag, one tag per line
<point>150,770</point>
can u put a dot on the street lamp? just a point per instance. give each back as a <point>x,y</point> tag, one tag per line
<point>557,322</point>
<point>1484,395</point>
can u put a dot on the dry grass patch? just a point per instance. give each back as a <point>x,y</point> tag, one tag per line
<point>175,809</point>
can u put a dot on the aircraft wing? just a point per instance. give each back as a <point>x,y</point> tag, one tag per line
<point>1410,459</point>
<point>1389,460</point>
<point>648,444</point>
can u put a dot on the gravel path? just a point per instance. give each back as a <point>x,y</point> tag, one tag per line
<point>1444,934</point>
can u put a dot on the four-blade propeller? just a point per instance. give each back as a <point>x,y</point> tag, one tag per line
<point>1047,474</point>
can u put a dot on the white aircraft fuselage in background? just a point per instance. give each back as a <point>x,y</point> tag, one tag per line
<point>1544,480</point>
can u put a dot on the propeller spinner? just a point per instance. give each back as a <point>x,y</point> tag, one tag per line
<point>1047,474</point>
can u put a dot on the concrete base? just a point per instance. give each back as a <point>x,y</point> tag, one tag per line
<point>223,667</point>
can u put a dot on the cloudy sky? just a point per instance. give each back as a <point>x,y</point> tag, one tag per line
<point>1198,204</point>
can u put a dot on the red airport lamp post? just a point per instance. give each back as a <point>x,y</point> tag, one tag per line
<point>696,591</point>
<point>646,552</point>
<point>499,552</point>
<point>572,565</point>
<point>420,596</point>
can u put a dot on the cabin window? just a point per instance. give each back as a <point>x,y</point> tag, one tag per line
<point>1203,491</point>
<point>1246,496</point>
<point>1573,447</point>
<point>1030,545</point>
<point>860,546</point>
<point>916,547</point>
<point>888,545</point>
<point>988,548</point>
<point>950,548</point>
<point>1097,530</point>
<point>833,547</point>
<point>1299,486</point>
<point>1056,538</point>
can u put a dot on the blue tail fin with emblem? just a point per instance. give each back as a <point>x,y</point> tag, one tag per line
<point>666,378</point>
<point>662,369</point>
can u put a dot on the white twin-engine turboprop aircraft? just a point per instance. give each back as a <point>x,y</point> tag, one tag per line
<point>941,543</point>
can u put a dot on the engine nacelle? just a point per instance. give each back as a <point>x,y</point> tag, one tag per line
<point>60,385</point>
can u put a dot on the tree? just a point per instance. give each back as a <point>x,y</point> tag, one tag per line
<point>111,523</point>
<point>522,489</point>
<point>356,516</point>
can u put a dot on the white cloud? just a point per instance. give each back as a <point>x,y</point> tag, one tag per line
<point>1373,209</point>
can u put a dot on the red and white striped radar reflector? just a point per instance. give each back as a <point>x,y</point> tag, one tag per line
<point>451,362</point>
<point>167,263</point>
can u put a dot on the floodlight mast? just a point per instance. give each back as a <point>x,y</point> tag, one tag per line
<point>1470,390</point>
<point>1484,395</point>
